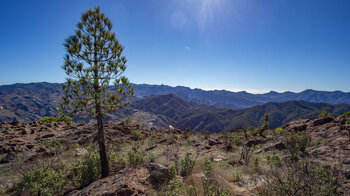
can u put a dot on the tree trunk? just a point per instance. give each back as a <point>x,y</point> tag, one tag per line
<point>100,132</point>
<point>101,145</point>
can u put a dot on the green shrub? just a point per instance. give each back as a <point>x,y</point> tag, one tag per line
<point>47,119</point>
<point>256,162</point>
<point>187,164</point>
<point>64,118</point>
<point>43,181</point>
<point>278,131</point>
<point>127,121</point>
<point>275,160</point>
<point>138,126</point>
<point>324,113</point>
<point>152,158</point>
<point>208,167</point>
<point>232,141</point>
<point>51,143</point>
<point>172,172</point>
<point>237,176</point>
<point>137,135</point>
<point>347,113</point>
<point>266,122</point>
<point>154,138</point>
<point>296,143</point>
<point>86,171</point>
<point>192,190</point>
<point>121,161</point>
<point>174,188</point>
<point>61,118</point>
<point>136,156</point>
<point>317,142</point>
<point>211,187</point>
<point>217,190</point>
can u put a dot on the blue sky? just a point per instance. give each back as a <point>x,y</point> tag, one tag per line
<point>252,45</point>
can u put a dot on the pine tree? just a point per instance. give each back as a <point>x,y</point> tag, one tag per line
<point>94,66</point>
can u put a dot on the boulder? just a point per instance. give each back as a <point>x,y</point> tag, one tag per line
<point>159,173</point>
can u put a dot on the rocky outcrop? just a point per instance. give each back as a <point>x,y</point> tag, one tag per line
<point>127,182</point>
<point>331,138</point>
<point>27,140</point>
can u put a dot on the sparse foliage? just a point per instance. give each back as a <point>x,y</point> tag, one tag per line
<point>187,164</point>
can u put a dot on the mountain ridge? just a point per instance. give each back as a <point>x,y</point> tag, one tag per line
<point>30,102</point>
<point>242,99</point>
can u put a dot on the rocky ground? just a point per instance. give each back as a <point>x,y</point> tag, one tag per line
<point>22,144</point>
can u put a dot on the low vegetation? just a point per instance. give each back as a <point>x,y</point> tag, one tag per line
<point>60,118</point>
<point>252,161</point>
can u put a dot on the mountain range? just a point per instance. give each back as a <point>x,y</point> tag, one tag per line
<point>30,102</point>
<point>236,100</point>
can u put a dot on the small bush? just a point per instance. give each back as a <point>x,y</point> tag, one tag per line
<point>136,156</point>
<point>61,118</point>
<point>192,190</point>
<point>86,171</point>
<point>172,172</point>
<point>317,142</point>
<point>232,141</point>
<point>187,164</point>
<point>296,143</point>
<point>275,160</point>
<point>301,178</point>
<point>347,113</point>
<point>154,138</point>
<point>256,162</point>
<point>211,187</point>
<point>208,167</point>
<point>121,161</point>
<point>44,181</point>
<point>324,113</point>
<point>174,188</point>
<point>152,158</point>
<point>48,119</point>
<point>237,176</point>
<point>51,143</point>
<point>137,135</point>
<point>127,121</point>
<point>278,131</point>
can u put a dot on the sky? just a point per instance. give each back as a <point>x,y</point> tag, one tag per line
<point>251,45</point>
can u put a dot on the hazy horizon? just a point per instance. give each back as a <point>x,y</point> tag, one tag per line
<point>234,45</point>
<point>251,91</point>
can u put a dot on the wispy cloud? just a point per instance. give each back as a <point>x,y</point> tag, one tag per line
<point>187,48</point>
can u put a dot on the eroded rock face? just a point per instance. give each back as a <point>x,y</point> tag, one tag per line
<point>127,182</point>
